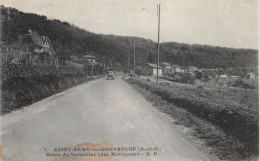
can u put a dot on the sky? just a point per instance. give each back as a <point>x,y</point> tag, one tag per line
<point>229,23</point>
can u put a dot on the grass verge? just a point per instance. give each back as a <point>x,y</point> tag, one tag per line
<point>229,128</point>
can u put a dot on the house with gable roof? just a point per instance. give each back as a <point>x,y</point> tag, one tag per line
<point>151,69</point>
<point>34,49</point>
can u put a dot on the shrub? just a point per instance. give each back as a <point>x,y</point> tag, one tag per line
<point>198,74</point>
<point>187,78</point>
<point>200,87</point>
<point>205,79</point>
<point>246,84</point>
<point>139,71</point>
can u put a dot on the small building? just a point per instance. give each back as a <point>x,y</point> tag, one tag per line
<point>250,76</point>
<point>234,77</point>
<point>176,69</point>
<point>166,68</point>
<point>151,69</point>
<point>90,59</point>
<point>192,69</point>
<point>183,70</point>
<point>223,76</point>
<point>165,65</point>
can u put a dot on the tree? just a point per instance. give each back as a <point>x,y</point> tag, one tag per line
<point>246,84</point>
<point>238,83</point>
<point>205,79</point>
<point>253,85</point>
<point>220,83</point>
<point>139,71</point>
<point>229,83</point>
<point>150,58</point>
<point>67,40</point>
<point>215,81</point>
<point>198,74</point>
<point>187,78</point>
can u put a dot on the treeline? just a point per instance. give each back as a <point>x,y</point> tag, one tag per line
<point>204,56</point>
<point>69,40</point>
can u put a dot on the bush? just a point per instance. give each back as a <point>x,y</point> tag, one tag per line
<point>200,87</point>
<point>198,74</point>
<point>246,84</point>
<point>205,79</point>
<point>25,70</point>
<point>139,71</point>
<point>187,78</point>
<point>131,74</point>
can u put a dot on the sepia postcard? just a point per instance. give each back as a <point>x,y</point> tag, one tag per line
<point>129,80</point>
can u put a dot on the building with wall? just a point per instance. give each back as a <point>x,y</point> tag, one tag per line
<point>151,69</point>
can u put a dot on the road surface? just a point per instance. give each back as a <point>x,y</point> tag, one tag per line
<point>97,115</point>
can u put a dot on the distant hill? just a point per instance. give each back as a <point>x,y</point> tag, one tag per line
<point>69,40</point>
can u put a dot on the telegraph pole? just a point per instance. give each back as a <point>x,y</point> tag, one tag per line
<point>158,46</point>
<point>128,61</point>
<point>134,55</point>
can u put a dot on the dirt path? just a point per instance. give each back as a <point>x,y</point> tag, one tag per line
<point>98,114</point>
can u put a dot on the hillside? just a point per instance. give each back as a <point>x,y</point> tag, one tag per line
<point>69,40</point>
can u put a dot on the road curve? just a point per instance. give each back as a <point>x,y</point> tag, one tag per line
<point>101,113</point>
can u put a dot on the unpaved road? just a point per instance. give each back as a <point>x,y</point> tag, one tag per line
<point>101,113</point>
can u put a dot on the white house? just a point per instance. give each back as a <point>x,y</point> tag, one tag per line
<point>192,69</point>
<point>223,76</point>
<point>151,69</point>
<point>176,69</point>
<point>234,77</point>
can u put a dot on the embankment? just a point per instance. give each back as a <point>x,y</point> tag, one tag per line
<point>24,85</point>
<point>237,120</point>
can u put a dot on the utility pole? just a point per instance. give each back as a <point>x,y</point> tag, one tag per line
<point>92,68</point>
<point>158,46</point>
<point>104,68</point>
<point>103,62</point>
<point>128,61</point>
<point>134,55</point>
